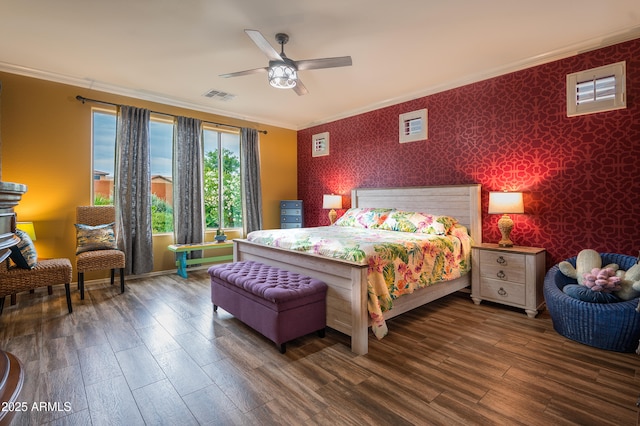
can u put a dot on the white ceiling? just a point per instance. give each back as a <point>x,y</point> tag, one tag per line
<point>172,51</point>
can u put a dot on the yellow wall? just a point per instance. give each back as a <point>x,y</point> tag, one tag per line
<point>46,145</point>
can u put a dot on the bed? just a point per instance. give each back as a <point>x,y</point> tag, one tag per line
<point>347,296</point>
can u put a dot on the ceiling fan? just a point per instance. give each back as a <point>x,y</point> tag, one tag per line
<point>283,72</point>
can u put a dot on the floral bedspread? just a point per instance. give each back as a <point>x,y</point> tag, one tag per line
<point>398,262</point>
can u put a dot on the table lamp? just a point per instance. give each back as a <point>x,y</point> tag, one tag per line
<point>332,202</point>
<point>505,203</point>
<point>28,228</point>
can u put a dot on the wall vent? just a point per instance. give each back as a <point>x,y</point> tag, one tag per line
<point>219,95</point>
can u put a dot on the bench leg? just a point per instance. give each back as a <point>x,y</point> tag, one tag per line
<point>215,308</point>
<point>282,348</point>
<point>113,276</point>
<point>182,264</point>
<point>321,333</point>
<point>1,304</point>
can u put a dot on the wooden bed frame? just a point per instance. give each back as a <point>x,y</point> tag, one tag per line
<point>347,281</point>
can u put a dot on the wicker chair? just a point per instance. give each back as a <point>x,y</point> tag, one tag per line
<point>46,273</point>
<point>98,260</point>
<point>610,326</point>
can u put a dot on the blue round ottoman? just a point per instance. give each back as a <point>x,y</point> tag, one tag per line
<point>610,326</point>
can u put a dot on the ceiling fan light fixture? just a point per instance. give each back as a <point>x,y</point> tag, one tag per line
<point>282,76</point>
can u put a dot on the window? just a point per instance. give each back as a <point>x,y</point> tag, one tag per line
<point>413,126</point>
<point>222,184</point>
<point>104,151</point>
<point>222,190</point>
<point>596,90</point>
<point>161,152</point>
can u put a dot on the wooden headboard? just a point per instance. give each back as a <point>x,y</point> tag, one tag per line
<point>459,201</point>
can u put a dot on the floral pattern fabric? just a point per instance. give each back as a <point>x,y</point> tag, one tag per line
<point>398,262</point>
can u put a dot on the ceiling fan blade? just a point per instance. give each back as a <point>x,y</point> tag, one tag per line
<point>314,64</point>
<point>264,45</point>
<point>246,72</point>
<point>300,88</point>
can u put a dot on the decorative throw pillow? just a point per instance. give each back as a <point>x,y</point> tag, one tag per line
<point>363,218</point>
<point>24,253</point>
<point>585,294</point>
<point>100,237</point>
<point>417,222</point>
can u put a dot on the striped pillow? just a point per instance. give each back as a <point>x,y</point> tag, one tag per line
<point>100,237</point>
<point>24,253</point>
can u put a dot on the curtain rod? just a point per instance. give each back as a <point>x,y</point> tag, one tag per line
<point>83,100</point>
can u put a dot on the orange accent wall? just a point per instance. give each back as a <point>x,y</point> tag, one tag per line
<point>46,144</point>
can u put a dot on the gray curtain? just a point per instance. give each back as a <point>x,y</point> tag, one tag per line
<point>133,189</point>
<point>251,189</point>
<point>188,210</point>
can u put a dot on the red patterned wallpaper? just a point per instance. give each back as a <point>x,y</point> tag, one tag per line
<point>579,174</point>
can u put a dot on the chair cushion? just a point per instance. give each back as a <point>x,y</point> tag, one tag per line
<point>98,260</point>
<point>100,237</point>
<point>24,253</point>
<point>45,273</point>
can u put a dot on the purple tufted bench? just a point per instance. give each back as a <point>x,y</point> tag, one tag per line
<point>279,304</point>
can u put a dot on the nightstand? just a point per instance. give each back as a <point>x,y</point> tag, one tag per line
<point>509,275</point>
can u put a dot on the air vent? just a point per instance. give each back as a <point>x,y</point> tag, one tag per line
<point>218,95</point>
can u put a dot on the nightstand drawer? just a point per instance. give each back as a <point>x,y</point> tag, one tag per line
<point>285,225</point>
<point>291,204</point>
<point>502,266</point>
<point>294,219</point>
<point>291,212</point>
<point>502,291</point>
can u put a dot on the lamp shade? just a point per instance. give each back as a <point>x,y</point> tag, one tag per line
<point>505,202</point>
<point>332,201</point>
<point>28,228</point>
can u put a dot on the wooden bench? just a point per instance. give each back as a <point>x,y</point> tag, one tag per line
<point>279,304</point>
<point>181,251</point>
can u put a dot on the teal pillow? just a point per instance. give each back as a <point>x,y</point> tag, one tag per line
<point>585,294</point>
<point>24,253</point>
<point>100,237</point>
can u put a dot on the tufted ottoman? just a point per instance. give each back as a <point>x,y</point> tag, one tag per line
<point>279,304</point>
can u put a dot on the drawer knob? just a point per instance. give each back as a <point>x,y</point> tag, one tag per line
<point>502,291</point>
<point>501,260</point>
<point>501,275</point>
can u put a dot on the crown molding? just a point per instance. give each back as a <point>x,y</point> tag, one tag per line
<point>131,93</point>
<point>566,52</point>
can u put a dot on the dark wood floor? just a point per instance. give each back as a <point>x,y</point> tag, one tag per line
<point>159,355</point>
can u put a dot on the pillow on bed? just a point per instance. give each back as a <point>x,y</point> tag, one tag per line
<point>416,222</point>
<point>363,218</point>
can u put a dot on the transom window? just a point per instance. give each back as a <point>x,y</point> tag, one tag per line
<point>598,89</point>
